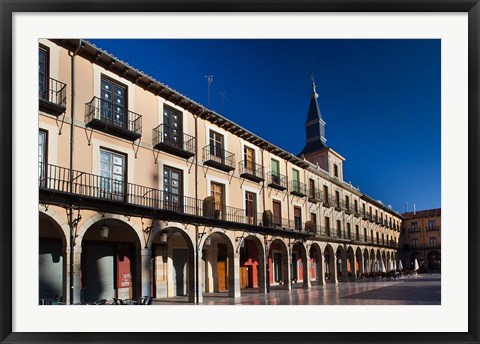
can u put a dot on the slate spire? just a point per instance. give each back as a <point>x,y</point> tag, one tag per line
<point>314,126</point>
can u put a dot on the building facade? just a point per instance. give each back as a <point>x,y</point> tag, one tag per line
<point>144,192</point>
<point>421,239</point>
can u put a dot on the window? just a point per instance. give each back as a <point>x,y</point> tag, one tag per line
<point>249,160</point>
<point>415,242</point>
<point>355,206</point>
<point>42,157</point>
<point>325,194</point>
<point>347,202</point>
<point>364,210</point>
<point>383,239</point>
<point>218,192</point>
<point>349,231</point>
<point>357,232</point>
<point>296,180</point>
<point>43,73</point>
<point>365,234</point>
<point>313,218</point>
<point>433,242</point>
<point>172,127</point>
<point>337,198</point>
<point>414,227</point>
<point>339,228</point>
<point>371,235</point>
<point>275,171</point>
<point>376,214</point>
<point>112,174</point>
<point>378,239</point>
<point>216,147</point>
<point>335,170</point>
<point>327,225</point>
<point>297,216</point>
<point>431,225</point>
<point>277,213</point>
<point>251,207</point>
<point>381,218</point>
<point>311,188</point>
<point>371,214</point>
<point>173,189</point>
<point>113,102</point>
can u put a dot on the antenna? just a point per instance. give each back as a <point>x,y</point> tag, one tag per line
<point>209,82</point>
<point>222,93</point>
<point>406,207</point>
<point>414,210</point>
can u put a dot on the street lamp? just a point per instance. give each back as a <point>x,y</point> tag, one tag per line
<point>104,231</point>
<point>163,237</point>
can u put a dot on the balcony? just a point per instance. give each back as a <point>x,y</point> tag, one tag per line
<point>356,213</point>
<point>102,115</point>
<point>277,181</point>
<point>251,171</point>
<point>328,200</point>
<point>433,228</point>
<point>314,196</point>
<point>218,158</point>
<point>338,204</point>
<point>297,188</point>
<point>347,208</point>
<point>52,96</point>
<point>90,191</point>
<point>168,140</point>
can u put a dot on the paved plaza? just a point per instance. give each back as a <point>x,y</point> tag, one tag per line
<point>415,290</point>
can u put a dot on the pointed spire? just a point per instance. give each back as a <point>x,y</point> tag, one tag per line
<point>315,125</point>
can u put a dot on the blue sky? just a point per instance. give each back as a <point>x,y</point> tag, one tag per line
<point>380,100</point>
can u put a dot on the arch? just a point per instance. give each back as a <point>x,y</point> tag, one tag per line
<point>341,263</point>
<point>316,264</point>
<point>351,263</point>
<point>299,264</point>
<point>52,256</point>
<point>84,227</point>
<point>252,263</point>
<point>434,260</point>
<point>112,266</point>
<point>330,266</point>
<point>279,268</point>
<point>171,275</point>
<point>220,261</point>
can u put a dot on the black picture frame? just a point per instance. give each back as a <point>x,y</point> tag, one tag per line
<point>9,7</point>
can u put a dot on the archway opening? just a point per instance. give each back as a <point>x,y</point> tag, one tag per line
<point>52,259</point>
<point>110,266</point>
<point>252,264</point>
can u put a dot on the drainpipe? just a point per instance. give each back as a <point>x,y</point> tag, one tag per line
<point>70,213</point>
<point>266,263</point>
<point>197,266</point>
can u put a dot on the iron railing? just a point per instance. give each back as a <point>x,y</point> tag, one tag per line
<point>166,135</point>
<point>314,195</point>
<point>218,157</point>
<point>52,91</point>
<point>277,180</point>
<point>108,113</point>
<point>249,169</point>
<point>297,188</point>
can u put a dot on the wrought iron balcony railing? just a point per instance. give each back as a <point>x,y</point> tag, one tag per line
<point>251,171</point>
<point>218,158</point>
<point>277,181</point>
<point>432,228</point>
<point>108,117</point>
<point>52,95</point>
<point>297,188</point>
<point>170,140</point>
<point>328,200</point>
<point>314,195</point>
<point>91,186</point>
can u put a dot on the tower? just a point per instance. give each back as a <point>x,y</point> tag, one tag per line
<point>316,150</point>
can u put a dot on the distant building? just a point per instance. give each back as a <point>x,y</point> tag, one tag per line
<point>157,195</point>
<point>421,239</point>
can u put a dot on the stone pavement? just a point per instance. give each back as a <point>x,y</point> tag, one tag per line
<point>415,290</point>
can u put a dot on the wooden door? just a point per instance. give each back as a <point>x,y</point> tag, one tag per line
<point>250,207</point>
<point>243,277</point>
<point>277,213</point>
<point>222,276</point>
